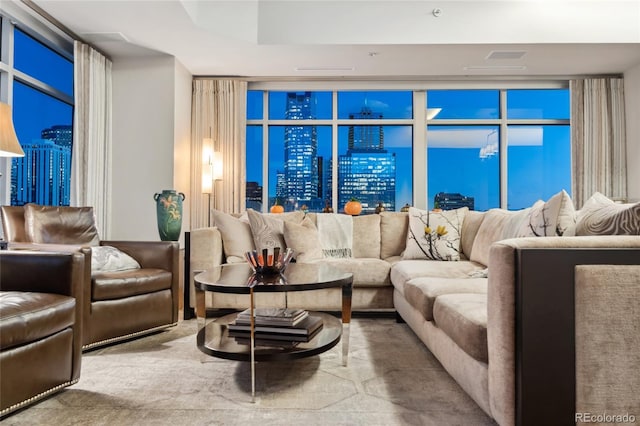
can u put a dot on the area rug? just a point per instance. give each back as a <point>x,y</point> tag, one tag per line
<point>163,379</point>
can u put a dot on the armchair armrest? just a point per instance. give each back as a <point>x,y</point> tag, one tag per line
<point>43,272</point>
<point>150,254</point>
<point>155,254</point>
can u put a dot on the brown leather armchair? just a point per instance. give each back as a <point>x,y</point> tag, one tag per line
<point>117,305</point>
<point>40,325</point>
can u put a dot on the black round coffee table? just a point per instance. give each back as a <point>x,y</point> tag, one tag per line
<point>213,337</point>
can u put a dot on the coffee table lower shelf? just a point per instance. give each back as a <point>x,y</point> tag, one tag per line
<point>213,339</point>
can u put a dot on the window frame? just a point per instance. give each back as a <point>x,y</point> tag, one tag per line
<point>12,16</point>
<point>419,121</point>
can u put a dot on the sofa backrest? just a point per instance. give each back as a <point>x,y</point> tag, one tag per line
<point>489,231</point>
<point>61,225</point>
<point>472,221</point>
<point>366,236</point>
<point>393,233</point>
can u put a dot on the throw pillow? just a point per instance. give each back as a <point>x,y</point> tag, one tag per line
<point>515,222</point>
<point>550,218</point>
<point>236,236</point>
<point>303,239</point>
<point>602,216</point>
<point>110,259</point>
<point>268,229</point>
<point>490,231</point>
<point>60,225</point>
<point>434,235</point>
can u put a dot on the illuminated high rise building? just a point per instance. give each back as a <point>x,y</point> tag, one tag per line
<point>367,171</point>
<point>300,151</point>
<point>61,135</point>
<point>42,176</point>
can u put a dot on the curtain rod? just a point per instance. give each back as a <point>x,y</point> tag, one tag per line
<point>59,25</point>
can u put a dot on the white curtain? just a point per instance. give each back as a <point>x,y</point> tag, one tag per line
<point>91,154</point>
<point>598,139</point>
<point>219,112</point>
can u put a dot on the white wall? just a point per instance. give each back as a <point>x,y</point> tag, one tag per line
<point>151,121</point>
<point>632,110</point>
<point>182,137</point>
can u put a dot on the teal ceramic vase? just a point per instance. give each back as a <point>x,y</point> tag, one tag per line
<point>169,213</point>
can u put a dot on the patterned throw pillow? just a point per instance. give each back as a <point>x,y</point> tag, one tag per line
<point>434,235</point>
<point>110,259</point>
<point>548,219</point>
<point>268,229</point>
<point>602,216</point>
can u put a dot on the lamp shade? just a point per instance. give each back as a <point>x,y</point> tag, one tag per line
<point>207,166</point>
<point>217,165</point>
<point>9,145</point>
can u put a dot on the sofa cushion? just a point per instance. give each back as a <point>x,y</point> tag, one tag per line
<point>490,231</point>
<point>463,317</point>
<point>470,226</point>
<point>116,285</point>
<point>406,270</point>
<point>366,236</point>
<point>303,239</point>
<point>236,235</point>
<point>434,235</point>
<point>60,225</point>
<point>421,293</point>
<point>27,316</point>
<point>393,233</point>
<point>366,272</point>
<point>602,216</point>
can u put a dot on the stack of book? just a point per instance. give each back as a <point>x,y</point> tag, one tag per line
<point>275,326</point>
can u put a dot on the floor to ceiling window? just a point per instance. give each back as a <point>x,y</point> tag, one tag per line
<point>38,84</point>
<point>481,148</point>
<point>466,140</point>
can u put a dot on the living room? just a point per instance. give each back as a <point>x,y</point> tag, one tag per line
<point>158,52</point>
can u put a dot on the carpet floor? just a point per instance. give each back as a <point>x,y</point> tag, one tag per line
<point>163,379</point>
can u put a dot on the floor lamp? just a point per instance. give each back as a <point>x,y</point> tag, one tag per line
<point>216,172</point>
<point>207,173</point>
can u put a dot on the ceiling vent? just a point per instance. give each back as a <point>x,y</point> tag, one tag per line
<point>506,54</point>
<point>104,37</point>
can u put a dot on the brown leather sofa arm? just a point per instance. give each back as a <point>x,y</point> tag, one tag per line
<point>150,254</point>
<point>43,272</point>
<point>47,272</point>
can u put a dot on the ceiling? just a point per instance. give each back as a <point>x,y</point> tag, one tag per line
<point>365,39</point>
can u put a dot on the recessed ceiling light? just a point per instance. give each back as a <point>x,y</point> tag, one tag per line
<point>495,68</point>
<point>325,68</point>
<point>506,54</point>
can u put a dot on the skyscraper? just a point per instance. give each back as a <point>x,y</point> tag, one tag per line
<point>300,151</point>
<point>43,175</point>
<point>367,171</point>
<point>61,135</point>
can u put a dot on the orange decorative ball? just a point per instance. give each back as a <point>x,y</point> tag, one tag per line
<point>353,207</point>
<point>277,208</point>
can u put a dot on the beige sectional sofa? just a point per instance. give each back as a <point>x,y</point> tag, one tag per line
<point>467,312</point>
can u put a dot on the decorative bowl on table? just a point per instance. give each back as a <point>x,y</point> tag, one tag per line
<point>269,261</point>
